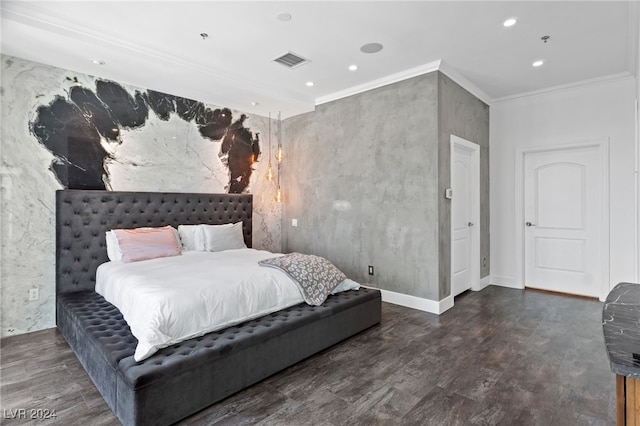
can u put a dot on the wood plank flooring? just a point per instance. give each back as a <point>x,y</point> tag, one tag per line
<point>499,357</point>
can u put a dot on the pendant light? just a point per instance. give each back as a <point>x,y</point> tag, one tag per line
<point>269,175</point>
<point>272,175</point>
<point>278,197</point>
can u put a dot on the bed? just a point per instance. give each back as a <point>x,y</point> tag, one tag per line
<point>185,377</point>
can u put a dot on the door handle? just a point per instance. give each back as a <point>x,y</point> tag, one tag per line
<point>470,223</point>
<point>530,224</point>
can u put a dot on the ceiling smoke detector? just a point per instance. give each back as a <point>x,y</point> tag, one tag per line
<point>291,60</point>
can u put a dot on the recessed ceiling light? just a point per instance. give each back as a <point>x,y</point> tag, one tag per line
<point>538,63</point>
<point>510,22</point>
<point>284,16</point>
<point>98,62</point>
<point>309,83</point>
<point>371,48</point>
<point>353,67</point>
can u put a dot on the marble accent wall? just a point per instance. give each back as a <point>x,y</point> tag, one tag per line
<point>365,180</point>
<point>64,129</point>
<point>362,180</point>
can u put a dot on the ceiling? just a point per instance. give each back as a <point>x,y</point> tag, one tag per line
<point>158,45</point>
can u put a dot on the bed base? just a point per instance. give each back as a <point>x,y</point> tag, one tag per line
<point>186,377</point>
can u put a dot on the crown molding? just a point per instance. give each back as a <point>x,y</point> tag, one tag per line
<point>22,14</point>
<point>438,65</point>
<point>457,77</point>
<point>374,84</point>
<point>568,87</point>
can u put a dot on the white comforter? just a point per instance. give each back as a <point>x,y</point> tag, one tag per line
<point>171,299</point>
<point>167,300</point>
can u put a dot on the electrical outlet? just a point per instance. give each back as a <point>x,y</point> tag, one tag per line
<point>370,270</point>
<point>294,222</point>
<point>484,261</point>
<point>34,294</point>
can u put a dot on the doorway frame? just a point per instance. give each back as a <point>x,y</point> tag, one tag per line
<point>602,146</point>
<point>474,148</point>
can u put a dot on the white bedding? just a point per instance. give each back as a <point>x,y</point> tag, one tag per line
<point>171,299</point>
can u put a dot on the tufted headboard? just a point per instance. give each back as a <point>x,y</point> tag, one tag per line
<point>83,217</point>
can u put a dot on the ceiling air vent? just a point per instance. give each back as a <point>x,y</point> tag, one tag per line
<point>291,60</point>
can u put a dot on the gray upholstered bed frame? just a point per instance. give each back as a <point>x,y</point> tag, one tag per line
<point>187,377</point>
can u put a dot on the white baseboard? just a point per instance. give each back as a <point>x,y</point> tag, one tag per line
<point>426,305</point>
<point>484,283</point>
<point>508,282</point>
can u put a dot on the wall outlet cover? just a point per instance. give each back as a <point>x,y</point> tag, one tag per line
<point>34,294</point>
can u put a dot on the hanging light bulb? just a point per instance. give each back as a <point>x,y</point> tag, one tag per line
<point>278,157</point>
<point>270,175</point>
<point>278,195</point>
<point>279,150</point>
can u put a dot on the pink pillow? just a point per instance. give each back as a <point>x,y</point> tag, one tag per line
<point>147,243</point>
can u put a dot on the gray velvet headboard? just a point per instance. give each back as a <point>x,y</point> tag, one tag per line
<point>83,217</point>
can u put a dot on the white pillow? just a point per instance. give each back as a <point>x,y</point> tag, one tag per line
<point>191,237</point>
<point>223,237</point>
<point>113,246</point>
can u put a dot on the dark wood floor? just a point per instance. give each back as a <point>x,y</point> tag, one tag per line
<point>499,357</point>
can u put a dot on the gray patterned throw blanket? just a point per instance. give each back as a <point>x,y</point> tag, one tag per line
<point>315,276</point>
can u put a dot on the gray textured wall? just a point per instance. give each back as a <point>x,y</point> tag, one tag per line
<point>461,114</point>
<point>362,177</point>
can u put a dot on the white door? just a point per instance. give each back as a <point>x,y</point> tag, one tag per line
<point>563,220</point>
<point>464,215</point>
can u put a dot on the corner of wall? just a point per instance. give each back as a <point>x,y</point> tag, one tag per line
<point>463,114</point>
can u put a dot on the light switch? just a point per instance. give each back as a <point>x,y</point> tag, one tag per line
<point>294,222</point>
